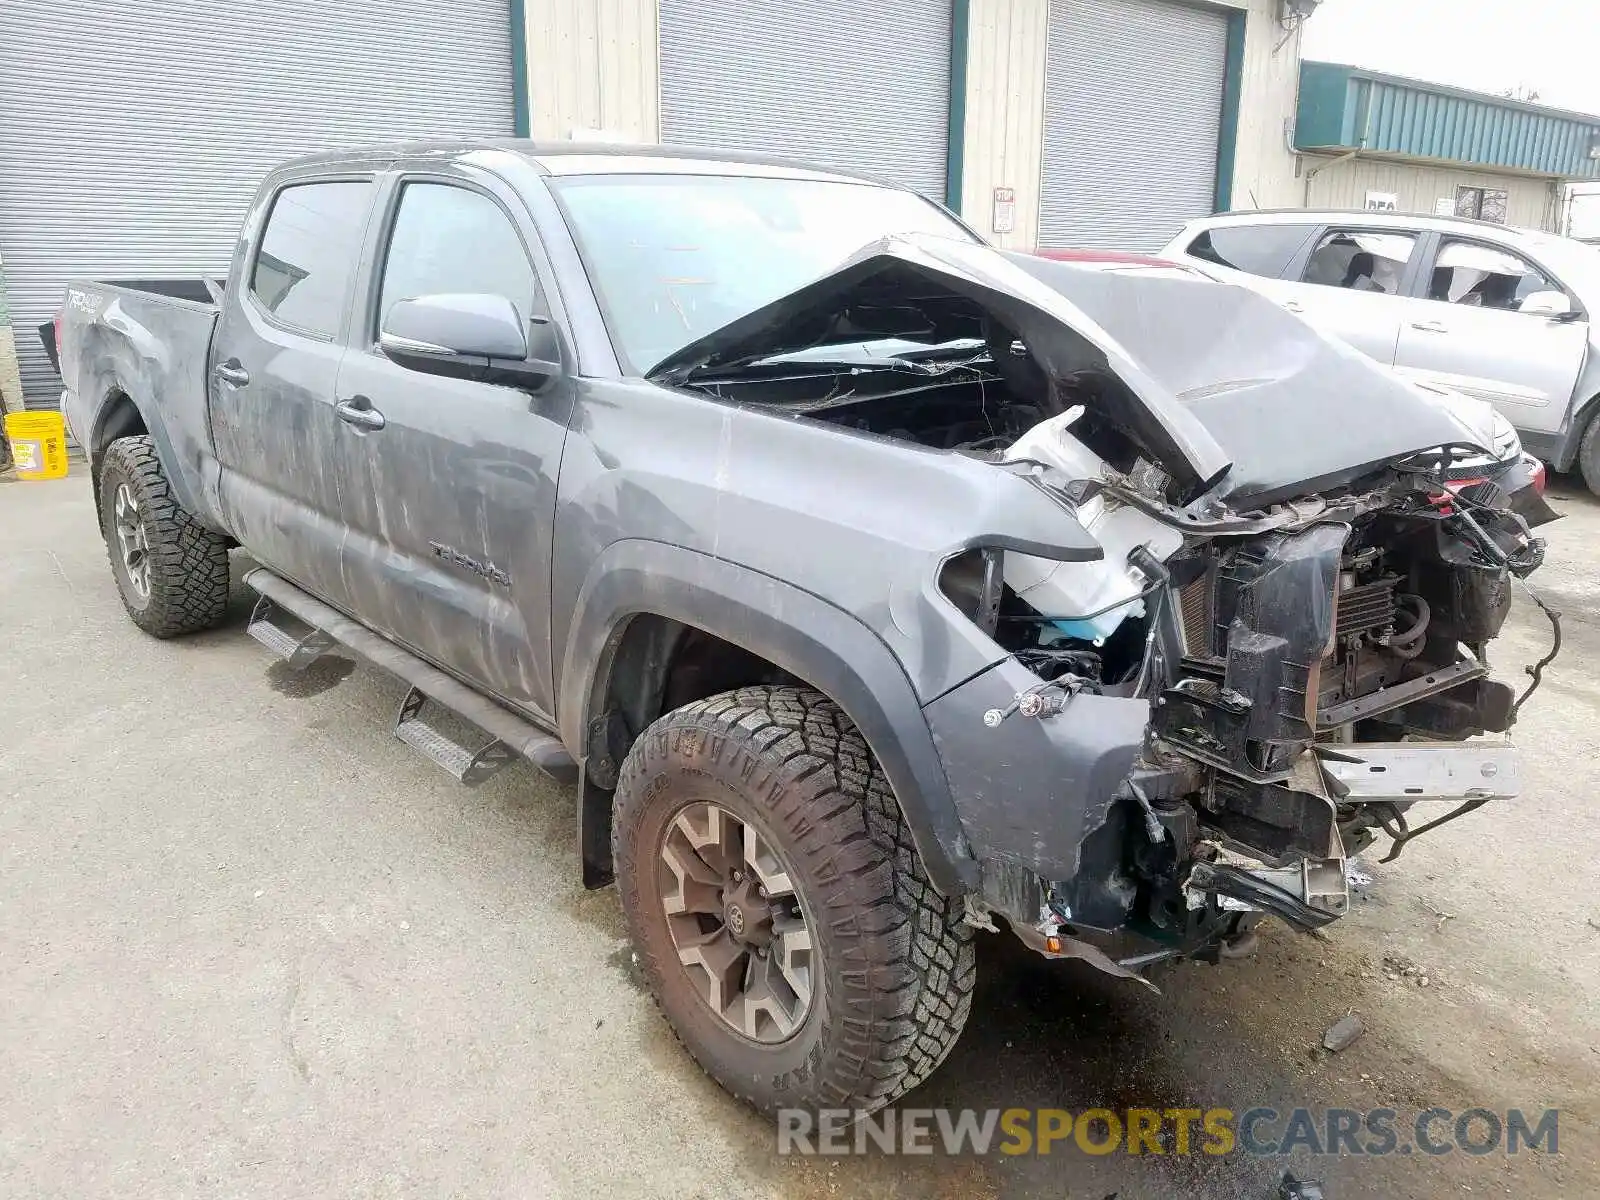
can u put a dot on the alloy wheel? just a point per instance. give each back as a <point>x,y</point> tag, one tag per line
<point>736,922</point>
<point>132,540</point>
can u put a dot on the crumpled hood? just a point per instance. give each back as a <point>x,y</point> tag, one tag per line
<point>1217,384</point>
<point>1477,415</point>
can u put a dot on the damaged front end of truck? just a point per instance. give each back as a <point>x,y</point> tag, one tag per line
<point>1280,652</point>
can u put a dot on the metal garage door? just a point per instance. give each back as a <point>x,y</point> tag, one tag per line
<point>134,134</point>
<point>862,88</point>
<point>1133,104</point>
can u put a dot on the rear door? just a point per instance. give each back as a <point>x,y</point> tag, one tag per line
<point>274,363</point>
<point>1351,281</point>
<point>449,551</point>
<point>1464,329</point>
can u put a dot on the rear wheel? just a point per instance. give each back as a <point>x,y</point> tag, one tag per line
<point>780,913</point>
<point>171,571</point>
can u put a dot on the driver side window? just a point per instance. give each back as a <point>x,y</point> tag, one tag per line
<point>449,239</point>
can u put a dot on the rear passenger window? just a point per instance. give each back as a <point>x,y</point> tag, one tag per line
<point>1256,249</point>
<point>1361,260</point>
<point>308,253</point>
<point>451,240</point>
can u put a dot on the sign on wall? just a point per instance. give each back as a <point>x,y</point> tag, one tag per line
<point>1004,217</point>
<point>1383,202</point>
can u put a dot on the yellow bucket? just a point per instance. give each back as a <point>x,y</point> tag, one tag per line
<point>38,444</point>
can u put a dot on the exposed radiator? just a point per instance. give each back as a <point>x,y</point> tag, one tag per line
<point>1366,607</point>
<point>1362,608</point>
<point>1195,607</point>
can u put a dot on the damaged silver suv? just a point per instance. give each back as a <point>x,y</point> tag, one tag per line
<point>873,586</point>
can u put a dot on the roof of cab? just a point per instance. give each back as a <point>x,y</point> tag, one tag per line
<point>590,158</point>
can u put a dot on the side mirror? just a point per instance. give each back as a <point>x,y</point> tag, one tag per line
<point>1553,304</point>
<point>471,336</point>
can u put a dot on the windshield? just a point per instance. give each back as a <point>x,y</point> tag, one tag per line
<point>674,257</point>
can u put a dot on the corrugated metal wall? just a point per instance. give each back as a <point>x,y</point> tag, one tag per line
<point>829,81</point>
<point>593,67</point>
<point>1417,188</point>
<point>132,138</point>
<point>1347,107</point>
<point>1005,114</point>
<point>1133,107</point>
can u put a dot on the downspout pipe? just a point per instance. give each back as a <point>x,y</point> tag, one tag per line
<point>1313,172</point>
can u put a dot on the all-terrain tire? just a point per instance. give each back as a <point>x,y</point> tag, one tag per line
<point>187,563</point>
<point>1589,454</point>
<point>894,971</point>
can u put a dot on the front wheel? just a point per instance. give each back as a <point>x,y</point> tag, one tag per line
<point>171,571</point>
<point>780,913</point>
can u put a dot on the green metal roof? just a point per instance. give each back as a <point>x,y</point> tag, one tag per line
<point>1347,108</point>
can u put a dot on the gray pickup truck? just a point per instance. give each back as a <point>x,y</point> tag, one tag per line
<point>874,586</point>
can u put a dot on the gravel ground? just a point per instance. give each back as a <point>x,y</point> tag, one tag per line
<point>253,946</point>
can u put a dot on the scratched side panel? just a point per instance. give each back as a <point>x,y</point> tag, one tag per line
<point>447,549</point>
<point>155,350</point>
<point>285,465</point>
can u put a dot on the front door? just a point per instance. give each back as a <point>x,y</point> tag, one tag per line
<point>1466,330</point>
<point>1351,285</point>
<point>274,366</point>
<point>451,551</point>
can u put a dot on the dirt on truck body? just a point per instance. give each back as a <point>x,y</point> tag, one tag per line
<point>876,587</point>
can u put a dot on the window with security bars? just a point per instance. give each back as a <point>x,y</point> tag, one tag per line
<point>1483,204</point>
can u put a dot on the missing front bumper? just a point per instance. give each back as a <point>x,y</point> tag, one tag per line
<point>1407,772</point>
<point>1312,890</point>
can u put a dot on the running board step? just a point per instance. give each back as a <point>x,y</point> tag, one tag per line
<point>470,767</point>
<point>511,735</point>
<point>298,648</point>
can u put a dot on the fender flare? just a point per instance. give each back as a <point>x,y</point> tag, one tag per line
<point>108,387</point>
<point>799,632</point>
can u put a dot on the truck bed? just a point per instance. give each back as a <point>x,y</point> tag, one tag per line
<point>149,340</point>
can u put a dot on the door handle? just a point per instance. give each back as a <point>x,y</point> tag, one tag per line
<point>1429,327</point>
<point>231,373</point>
<point>358,411</point>
<point>1294,306</point>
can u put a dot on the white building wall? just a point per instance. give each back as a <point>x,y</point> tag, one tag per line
<point>1530,203</point>
<point>1263,166</point>
<point>10,376</point>
<point>593,69</point>
<point>1006,45</point>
